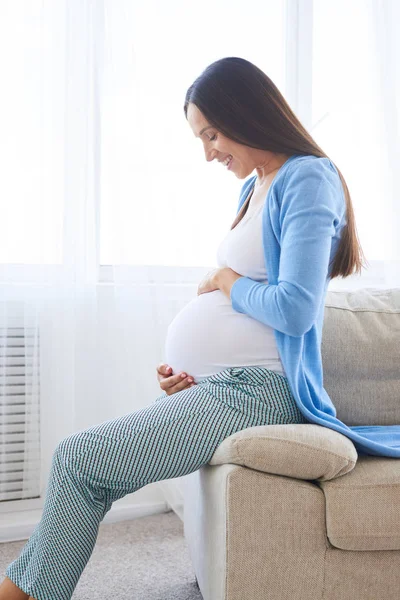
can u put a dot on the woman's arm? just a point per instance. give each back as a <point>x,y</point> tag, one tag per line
<point>311,208</point>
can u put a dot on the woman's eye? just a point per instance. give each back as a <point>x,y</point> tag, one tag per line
<point>214,137</point>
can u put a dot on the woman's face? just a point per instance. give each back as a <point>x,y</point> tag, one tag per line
<point>218,146</point>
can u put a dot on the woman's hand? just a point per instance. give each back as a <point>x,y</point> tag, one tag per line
<point>219,279</point>
<point>209,282</point>
<point>169,383</point>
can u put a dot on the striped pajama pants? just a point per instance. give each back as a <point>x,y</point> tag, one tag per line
<point>173,436</point>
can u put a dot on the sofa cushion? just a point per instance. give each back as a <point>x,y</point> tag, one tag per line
<point>306,451</point>
<point>363,507</point>
<point>361,355</point>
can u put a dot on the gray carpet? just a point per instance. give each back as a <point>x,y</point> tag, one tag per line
<point>142,559</point>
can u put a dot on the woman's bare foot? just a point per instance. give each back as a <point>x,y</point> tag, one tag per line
<point>9,591</point>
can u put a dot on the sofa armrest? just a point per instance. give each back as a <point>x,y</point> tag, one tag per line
<point>308,451</point>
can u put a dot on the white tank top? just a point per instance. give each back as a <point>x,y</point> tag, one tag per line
<point>208,335</point>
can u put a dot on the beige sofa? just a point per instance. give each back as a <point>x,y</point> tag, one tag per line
<point>291,512</point>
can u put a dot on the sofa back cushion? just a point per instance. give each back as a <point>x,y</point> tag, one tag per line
<point>361,355</point>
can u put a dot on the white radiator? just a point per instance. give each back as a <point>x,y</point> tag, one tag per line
<point>19,411</point>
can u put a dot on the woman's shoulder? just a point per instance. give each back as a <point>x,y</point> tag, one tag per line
<point>301,165</point>
<point>309,177</point>
<point>298,168</point>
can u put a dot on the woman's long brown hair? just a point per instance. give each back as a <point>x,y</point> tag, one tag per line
<point>242,102</point>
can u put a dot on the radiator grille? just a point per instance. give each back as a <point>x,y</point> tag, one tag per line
<point>19,413</point>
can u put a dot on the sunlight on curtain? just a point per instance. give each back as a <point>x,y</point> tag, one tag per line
<point>53,346</point>
<point>356,104</point>
<point>160,198</point>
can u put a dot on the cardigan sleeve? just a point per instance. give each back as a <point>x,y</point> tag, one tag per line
<point>311,208</point>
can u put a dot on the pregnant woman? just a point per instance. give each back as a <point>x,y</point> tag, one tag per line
<point>250,340</point>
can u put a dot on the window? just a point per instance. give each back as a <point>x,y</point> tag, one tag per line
<point>155,181</point>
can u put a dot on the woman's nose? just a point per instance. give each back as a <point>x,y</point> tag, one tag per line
<point>210,155</point>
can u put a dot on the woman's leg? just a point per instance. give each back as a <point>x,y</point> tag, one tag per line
<point>92,468</point>
<point>9,591</point>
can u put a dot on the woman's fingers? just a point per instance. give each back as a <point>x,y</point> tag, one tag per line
<point>173,383</point>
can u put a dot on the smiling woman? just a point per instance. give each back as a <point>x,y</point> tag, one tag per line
<point>247,117</point>
<point>239,158</point>
<point>255,350</point>
<point>211,333</point>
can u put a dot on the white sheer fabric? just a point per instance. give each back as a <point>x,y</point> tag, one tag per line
<point>89,307</point>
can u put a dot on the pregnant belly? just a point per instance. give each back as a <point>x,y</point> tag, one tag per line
<point>208,336</point>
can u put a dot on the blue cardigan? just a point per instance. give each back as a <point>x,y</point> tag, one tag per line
<point>302,220</point>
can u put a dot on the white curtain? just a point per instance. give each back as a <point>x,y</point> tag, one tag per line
<point>106,197</point>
